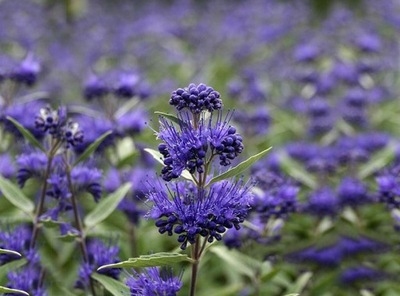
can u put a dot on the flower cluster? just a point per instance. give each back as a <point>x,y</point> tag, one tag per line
<point>154,281</point>
<point>193,211</point>
<point>56,123</point>
<point>99,254</point>
<point>196,98</point>
<point>192,148</point>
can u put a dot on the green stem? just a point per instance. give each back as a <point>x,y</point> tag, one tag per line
<point>195,266</point>
<point>132,239</point>
<point>39,211</point>
<point>78,222</point>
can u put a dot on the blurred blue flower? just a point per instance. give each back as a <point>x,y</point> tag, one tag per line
<point>154,281</point>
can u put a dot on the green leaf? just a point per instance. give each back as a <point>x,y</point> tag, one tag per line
<point>11,252</point>
<point>241,167</point>
<point>69,237</point>
<point>106,206</point>
<point>113,286</point>
<point>378,161</point>
<point>296,171</point>
<point>49,223</point>
<point>158,156</point>
<point>27,134</point>
<point>16,196</point>
<point>8,290</point>
<point>171,117</point>
<point>302,282</point>
<point>267,276</point>
<point>157,259</point>
<point>239,262</point>
<point>92,147</point>
<point>12,265</point>
<point>125,108</point>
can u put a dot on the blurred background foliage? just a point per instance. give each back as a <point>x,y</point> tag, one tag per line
<point>317,80</point>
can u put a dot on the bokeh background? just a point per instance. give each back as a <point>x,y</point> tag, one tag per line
<point>317,80</point>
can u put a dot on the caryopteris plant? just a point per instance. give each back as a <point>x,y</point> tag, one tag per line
<point>201,196</point>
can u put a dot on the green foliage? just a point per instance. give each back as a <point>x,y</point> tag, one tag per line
<point>240,168</point>
<point>11,252</point>
<point>13,265</point>
<point>8,290</point>
<point>92,148</point>
<point>296,171</point>
<point>113,286</point>
<point>27,134</point>
<point>16,196</point>
<point>157,259</point>
<point>378,161</point>
<point>171,117</point>
<point>158,156</point>
<point>106,206</point>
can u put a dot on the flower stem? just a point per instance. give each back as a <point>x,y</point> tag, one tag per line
<point>195,266</point>
<point>40,206</point>
<point>82,242</point>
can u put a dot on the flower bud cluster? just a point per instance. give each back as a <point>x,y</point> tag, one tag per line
<point>196,98</point>
<point>56,123</point>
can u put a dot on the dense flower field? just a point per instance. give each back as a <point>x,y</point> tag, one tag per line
<point>190,147</point>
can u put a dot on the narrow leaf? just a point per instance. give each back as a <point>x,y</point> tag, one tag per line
<point>49,223</point>
<point>157,259</point>
<point>69,237</point>
<point>171,117</point>
<point>11,252</point>
<point>156,155</point>
<point>8,290</point>
<point>113,286</point>
<point>378,161</point>
<point>27,134</point>
<point>125,108</point>
<point>106,206</point>
<point>235,262</point>
<point>16,196</point>
<point>92,147</point>
<point>302,282</point>
<point>296,171</point>
<point>241,167</point>
<point>159,157</point>
<point>6,268</point>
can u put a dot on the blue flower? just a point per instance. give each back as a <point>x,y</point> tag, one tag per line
<point>354,275</point>
<point>196,98</point>
<point>23,113</point>
<point>95,88</point>
<point>98,254</point>
<point>389,187</point>
<point>7,168</point>
<point>87,179</point>
<point>17,239</point>
<point>27,71</point>
<point>94,127</point>
<point>154,281</point>
<point>127,85</point>
<point>187,147</point>
<point>131,123</point>
<point>30,165</point>
<point>323,202</point>
<point>352,192</point>
<point>192,212</point>
<point>26,279</point>
<point>56,123</point>
<point>277,198</point>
